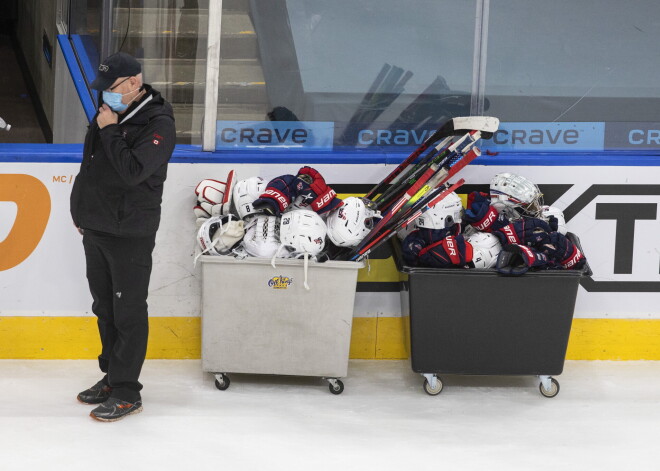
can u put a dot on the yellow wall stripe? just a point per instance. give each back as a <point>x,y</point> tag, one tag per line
<point>78,338</point>
<point>372,338</point>
<point>383,270</point>
<point>614,339</point>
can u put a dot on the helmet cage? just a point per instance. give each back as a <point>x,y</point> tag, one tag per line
<point>508,190</point>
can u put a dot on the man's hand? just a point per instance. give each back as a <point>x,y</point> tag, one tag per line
<point>106,116</point>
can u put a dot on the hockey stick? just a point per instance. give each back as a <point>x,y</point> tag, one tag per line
<point>395,191</point>
<point>402,181</point>
<point>435,174</point>
<point>443,175</point>
<point>404,202</point>
<point>389,233</point>
<point>439,179</point>
<point>402,166</point>
<point>455,126</point>
<point>443,159</point>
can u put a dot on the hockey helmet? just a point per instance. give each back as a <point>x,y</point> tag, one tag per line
<point>244,194</point>
<point>217,235</point>
<point>445,213</point>
<point>548,211</point>
<point>350,223</point>
<point>262,236</point>
<point>299,202</point>
<point>302,231</point>
<point>485,249</point>
<point>404,231</point>
<point>508,190</point>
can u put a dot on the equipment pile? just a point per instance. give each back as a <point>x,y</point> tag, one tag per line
<point>299,215</point>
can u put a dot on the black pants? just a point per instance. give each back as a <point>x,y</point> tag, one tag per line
<point>118,271</point>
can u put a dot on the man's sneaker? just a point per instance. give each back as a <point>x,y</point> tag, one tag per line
<point>114,409</point>
<point>97,394</point>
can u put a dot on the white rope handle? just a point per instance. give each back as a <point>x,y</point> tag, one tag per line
<point>305,265</point>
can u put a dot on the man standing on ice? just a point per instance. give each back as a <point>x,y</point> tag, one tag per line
<point>115,204</point>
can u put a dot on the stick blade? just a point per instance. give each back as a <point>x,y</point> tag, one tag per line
<point>486,124</point>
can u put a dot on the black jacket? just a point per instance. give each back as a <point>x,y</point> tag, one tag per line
<point>120,184</point>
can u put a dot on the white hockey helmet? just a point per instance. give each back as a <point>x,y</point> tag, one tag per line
<point>403,232</point>
<point>447,212</point>
<point>548,211</point>
<point>303,231</point>
<point>244,194</point>
<point>217,235</point>
<point>299,203</point>
<point>350,223</point>
<point>485,249</point>
<point>508,190</point>
<point>262,236</point>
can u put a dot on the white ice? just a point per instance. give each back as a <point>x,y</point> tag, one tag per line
<point>606,417</point>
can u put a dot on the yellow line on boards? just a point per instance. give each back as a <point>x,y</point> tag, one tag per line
<point>372,338</point>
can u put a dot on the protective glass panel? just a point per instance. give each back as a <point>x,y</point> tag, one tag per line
<point>318,75</point>
<point>85,34</point>
<point>169,38</point>
<point>567,75</point>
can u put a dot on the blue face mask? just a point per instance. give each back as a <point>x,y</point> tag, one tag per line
<point>113,100</point>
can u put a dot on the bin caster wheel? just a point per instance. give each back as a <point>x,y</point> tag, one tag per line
<point>552,391</point>
<point>433,391</point>
<point>336,387</point>
<point>222,382</point>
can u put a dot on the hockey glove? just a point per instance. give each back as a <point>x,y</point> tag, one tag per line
<point>553,222</point>
<point>480,214</point>
<point>516,260</point>
<point>202,210</point>
<point>411,246</point>
<point>313,190</point>
<point>452,251</point>
<point>433,235</point>
<point>214,197</point>
<point>278,195</point>
<point>525,231</point>
<point>563,253</point>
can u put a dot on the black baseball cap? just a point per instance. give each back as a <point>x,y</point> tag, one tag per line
<point>115,66</point>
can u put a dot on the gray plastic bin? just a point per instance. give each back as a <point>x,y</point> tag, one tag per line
<point>261,320</point>
<point>478,322</point>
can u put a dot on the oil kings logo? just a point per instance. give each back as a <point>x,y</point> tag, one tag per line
<point>280,282</point>
<point>31,201</point>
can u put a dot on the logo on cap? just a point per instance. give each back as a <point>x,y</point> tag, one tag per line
<point>103,68</point>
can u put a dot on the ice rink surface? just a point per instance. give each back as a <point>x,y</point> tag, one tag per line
<point>605,417</point>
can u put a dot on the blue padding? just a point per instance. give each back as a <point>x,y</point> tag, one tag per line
<point>193,154</point>
<point>565,159</point>
<point>77,76</point>
<point>89,59</point>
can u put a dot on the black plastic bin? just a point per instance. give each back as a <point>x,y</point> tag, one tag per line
<point>478,322</point>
